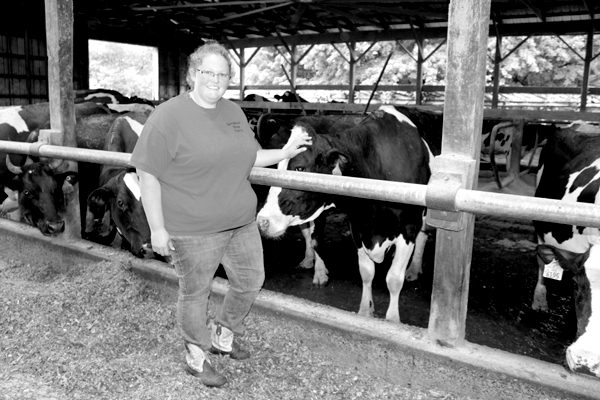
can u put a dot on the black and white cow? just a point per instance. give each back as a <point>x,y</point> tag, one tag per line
<point>255,97</point>
<point>20,124</point>
<point>23,124</point>
<point>571,172</point>
<point>253,114</point>
<point>312,230</point>
<point>116,205</point>
<point>289,97</point>
<point>114,100</point>
<point>385,146</point>
<point>534,136</point>
<point>40,197</point>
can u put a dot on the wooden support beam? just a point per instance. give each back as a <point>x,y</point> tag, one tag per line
<point>419,79</point>
<point>352,72</point>
<point>461,144</point>
<point>59,39</point>
<point>496,74</point>
<point>298,15</point>
<point>534,10</point>
<point>210,4</point>
<point>241,56</point>
<point>589,50</point>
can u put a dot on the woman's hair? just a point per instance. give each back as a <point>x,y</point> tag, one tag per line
<point>195,59</point>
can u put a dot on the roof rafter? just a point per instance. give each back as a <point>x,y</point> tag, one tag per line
<point>535,10</point>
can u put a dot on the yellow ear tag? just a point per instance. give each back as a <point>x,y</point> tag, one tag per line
<point>553,270</point>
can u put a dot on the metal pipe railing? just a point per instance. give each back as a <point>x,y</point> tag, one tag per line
<point>69,153</point>
<point>472,201</point>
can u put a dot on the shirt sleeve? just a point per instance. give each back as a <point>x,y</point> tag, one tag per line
<point>152,153</point>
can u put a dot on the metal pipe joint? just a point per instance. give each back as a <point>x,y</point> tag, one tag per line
<point>449,175</point>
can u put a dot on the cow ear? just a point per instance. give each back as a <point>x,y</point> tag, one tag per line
<point>100,196</point>
<point>336,161</point>
<point>568,260</point>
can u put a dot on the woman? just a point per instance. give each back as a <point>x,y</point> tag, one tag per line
<point>193,158</point>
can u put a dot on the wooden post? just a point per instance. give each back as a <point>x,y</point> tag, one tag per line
<point>352,73</point>
<point>589,49</point>
<point>513,166</point>
<point>461,143</point>
<point>293,65</point>
<point>420,61</point>
<point>497,62</point>
<point>242,66</point>
<point>59,39</point>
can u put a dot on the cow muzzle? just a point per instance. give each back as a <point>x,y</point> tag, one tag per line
<point>49,228</point>
<point>269,229</point>
<point>145,251</point>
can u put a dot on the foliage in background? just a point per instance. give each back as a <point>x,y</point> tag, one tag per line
<point>540,61</point>
<point>123,67</point>
<point>544,61</point>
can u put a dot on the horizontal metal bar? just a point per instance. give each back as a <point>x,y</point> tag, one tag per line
<point>425,88</point>
<point>525,207</point>
<point>397,192</point>
<point>472,201</point>
<point>70,153</point>
<point>528,115</point>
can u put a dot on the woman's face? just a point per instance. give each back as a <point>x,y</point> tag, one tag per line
<point>209,89</point>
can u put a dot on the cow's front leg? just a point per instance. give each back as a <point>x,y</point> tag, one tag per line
<point>321,273</point>
<point>539,295</point>
<point>313,232</point>
<point>416,265</point>
<point>309,254</point>
<point>367,272</point>
<point>395,277</point>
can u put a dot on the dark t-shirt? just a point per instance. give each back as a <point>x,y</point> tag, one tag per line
<point>202,158</point>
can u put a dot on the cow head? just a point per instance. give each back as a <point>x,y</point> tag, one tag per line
<point>584,354</point>
<point>40,196</point>
<point>288,207</point>
<point>117,206</point>
<point>289,97</point>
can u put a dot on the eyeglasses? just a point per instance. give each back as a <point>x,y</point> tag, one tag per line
<point>211,74</point>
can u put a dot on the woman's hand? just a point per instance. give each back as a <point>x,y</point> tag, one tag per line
<point>296,147</point>
<point>161,243</point>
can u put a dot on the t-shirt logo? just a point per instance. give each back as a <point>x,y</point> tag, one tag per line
<point>237,126</point>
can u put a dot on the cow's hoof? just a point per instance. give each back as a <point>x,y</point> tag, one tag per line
<point>306,264</point>
<point>367,312</point>
<point>411,277</point>
<point>539,306</point>
<point>320,281</point>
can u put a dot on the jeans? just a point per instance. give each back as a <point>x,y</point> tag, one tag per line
<point>196,259</point>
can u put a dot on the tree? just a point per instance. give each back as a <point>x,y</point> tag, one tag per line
<point>125,68</point>
<point>544,61</point>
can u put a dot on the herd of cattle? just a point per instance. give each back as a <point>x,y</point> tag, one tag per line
<point>393,143</point>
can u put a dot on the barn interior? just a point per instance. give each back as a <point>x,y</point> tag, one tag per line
<point>177,27</point>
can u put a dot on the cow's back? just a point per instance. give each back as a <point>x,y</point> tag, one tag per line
<point>383,147</point>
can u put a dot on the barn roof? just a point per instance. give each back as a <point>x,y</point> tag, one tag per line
<point>257,23</point>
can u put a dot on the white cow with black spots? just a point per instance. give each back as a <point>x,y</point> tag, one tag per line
<point>386,146</point>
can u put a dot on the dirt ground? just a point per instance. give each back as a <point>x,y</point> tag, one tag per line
<point>71,328</point>
<point>503,276</point>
